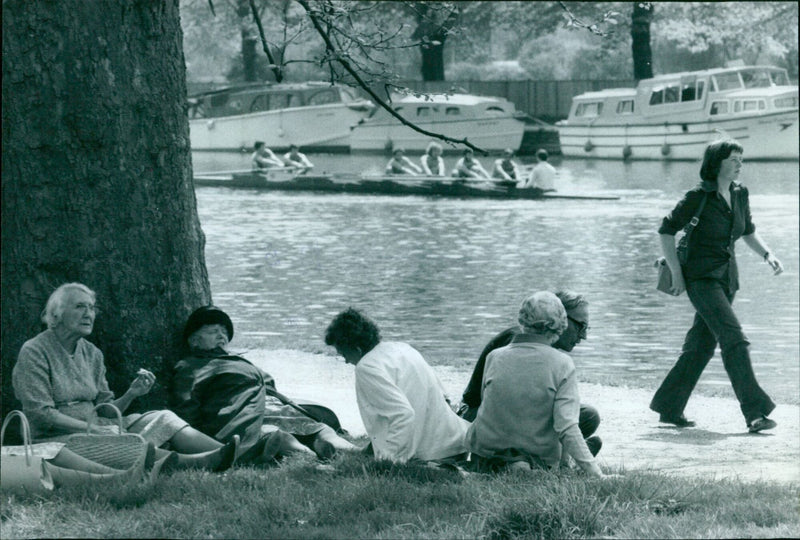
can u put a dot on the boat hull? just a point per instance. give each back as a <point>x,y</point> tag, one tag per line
<point>765,137</point>
<point>323,128</point>
<point>491,134</point>
<point>388,185</point>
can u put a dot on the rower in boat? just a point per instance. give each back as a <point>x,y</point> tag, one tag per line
<point>296,159</point>
<point>505,168</point>
<point>264,158</point>
<point>431,160</point>
<point>543,175</point>
<point>469,167</point>
<point>400,164</point>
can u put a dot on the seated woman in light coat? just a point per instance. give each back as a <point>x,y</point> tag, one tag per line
<point>520,381</point>
<point>60,377</point>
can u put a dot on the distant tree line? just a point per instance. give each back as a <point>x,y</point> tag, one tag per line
<point>391,40</point>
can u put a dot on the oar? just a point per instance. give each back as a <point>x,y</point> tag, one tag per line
<point>242,171</point>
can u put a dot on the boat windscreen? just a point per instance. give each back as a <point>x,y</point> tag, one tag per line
<point>727,81</point>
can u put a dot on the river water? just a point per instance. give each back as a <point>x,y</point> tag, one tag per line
<point>445,275</point>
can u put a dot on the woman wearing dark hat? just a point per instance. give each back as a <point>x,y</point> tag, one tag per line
<point>60,377</point>
<point>224,395</point>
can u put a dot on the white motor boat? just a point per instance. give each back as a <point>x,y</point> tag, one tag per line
<point>316,116</point>
<point>673,117</point>
<point>490,123</point>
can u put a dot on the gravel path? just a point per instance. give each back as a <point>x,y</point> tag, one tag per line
<point>719,446</point>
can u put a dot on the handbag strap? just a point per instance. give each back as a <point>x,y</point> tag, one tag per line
<point>25,428</point>
<point>696,218</point>
<point>114,408</point>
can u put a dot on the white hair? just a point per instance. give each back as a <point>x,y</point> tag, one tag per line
<point>55,304</point>
<point>543,313</point>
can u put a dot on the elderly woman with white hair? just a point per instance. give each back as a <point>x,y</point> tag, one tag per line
<point>520,381</point>
<point>60,378</point>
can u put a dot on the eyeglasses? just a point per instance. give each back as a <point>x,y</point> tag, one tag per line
<point>582,326</point>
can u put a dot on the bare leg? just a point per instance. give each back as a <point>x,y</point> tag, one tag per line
<point>327,442</point>
<point>190,441</point>
<point>68,459</point>
<point>279,444</point>
<point>219,459</point>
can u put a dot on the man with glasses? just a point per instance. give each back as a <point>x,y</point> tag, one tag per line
<point>577,309</point>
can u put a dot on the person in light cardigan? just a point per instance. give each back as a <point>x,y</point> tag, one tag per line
<point>401,401</point>
<point>529,413</point>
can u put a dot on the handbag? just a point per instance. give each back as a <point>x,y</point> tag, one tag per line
<point>664,283</point>
<point>123,455</point>
<point>24,473</point>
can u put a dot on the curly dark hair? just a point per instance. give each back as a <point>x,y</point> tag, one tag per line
<point>715,153</point>
<point>353,330</point>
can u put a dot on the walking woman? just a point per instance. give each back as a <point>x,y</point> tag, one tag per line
<point>711,279</point>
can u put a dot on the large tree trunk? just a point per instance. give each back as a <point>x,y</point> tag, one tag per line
<point>96,179</point>
<point>640,40</point>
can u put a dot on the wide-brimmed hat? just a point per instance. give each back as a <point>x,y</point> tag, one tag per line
<point>207,315</point>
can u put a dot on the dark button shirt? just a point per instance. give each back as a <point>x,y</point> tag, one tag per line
<point>711,249</point>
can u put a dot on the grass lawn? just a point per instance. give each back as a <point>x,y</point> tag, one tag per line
<point>360,498</point>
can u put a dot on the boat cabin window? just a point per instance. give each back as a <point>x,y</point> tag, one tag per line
<point>756,78</point>
<point>494,110</point>
<point>664,94</point>
<point>452,111</point>
<point>785,102</point>
<point>427,111</point>
<point>260,103</point>
<point>295,100</point>
<point>726,81</point>
<point>278,101</point>
<point>747,105</point>
<point>692,91</point>
<point>323,97</point>
<point>625,107</point>
<point>589,110</point>
<point>219,100</point>
<point>779,78</point>
<point>719,107</point>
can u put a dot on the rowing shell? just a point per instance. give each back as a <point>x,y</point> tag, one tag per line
<point>436,186</point>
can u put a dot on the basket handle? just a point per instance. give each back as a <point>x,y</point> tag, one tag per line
<point>116,410</point>
<point>25,428</point>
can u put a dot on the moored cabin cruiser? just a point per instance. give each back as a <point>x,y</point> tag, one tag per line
<point>315,116</point>
<point>675,116</point>
<point>490,123</point>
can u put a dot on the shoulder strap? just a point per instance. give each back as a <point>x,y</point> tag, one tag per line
<point>696,218</point>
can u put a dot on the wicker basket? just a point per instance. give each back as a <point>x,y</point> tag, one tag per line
<point>126,452</point>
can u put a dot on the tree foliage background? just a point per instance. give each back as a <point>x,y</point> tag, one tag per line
<point>495,40</point>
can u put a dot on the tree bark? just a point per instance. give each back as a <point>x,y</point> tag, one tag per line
<point>640,40</point>
<point>96,180</point>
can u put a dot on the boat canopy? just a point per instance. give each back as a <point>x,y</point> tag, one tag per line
<point>246,99</point>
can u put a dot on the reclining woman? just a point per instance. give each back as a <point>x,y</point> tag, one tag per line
<point>529,412</point>
<point>60,378</point>
<point>224,395</point>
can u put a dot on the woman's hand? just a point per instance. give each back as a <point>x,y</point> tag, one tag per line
<point>776,265</point>
<point>678,285</point>
<point>142,384</point>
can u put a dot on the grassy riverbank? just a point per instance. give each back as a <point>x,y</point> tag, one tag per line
<point>360,498</point>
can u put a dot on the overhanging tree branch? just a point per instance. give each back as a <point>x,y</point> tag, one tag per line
<point>276,69</point>
<point>334,54</point>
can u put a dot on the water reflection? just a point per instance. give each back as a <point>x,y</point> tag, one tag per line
<point>446,275</point>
